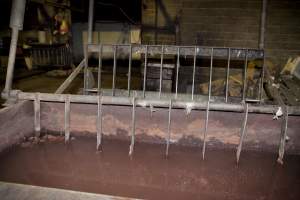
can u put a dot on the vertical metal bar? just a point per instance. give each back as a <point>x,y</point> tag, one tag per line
<point>169,129</point>
<point>99,124</point>
<point>145,70</point>
<point>205,131</point>
<point>65,56</point>
<point>263,24</point>
<point>56,54</point>
<point>61,55</point>
<point>129,70</point>
<point>67,118</point>
<point>243,132</point>
<point>210,73</point>
<point>245,77</point>
<point>177,72</point>
<point>85,74</point>
<point>161,69</point>
<point>99,68</point>
<point>48,56</point>
<point>194,71</point>
<point>156,22</point>
<point>261,85</point>
<point>37,115</point>
<point>283,137</point>
<point>90,22</point>
<point>132,128</point>
<point>227,75</point>
<point>114,71</point>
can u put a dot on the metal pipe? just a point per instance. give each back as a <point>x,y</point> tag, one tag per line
<point>11,60</point>
<point>127,101</point>
<point>90,22</point>
<point>202,52</point>
<point>263,24</point>
<point>16,24</point>
<point>69,80</point>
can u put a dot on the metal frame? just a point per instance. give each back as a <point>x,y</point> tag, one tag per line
<point>196,52</point>
<point>170,101</point>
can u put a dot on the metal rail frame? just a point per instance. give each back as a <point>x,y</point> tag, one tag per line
<point>242,54</point>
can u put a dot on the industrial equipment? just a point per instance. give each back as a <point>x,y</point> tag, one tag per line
<point>139,115</point>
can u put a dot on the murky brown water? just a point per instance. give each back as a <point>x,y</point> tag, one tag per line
<point>148,174</point>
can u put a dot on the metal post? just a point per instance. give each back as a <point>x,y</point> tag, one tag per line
<point>177,72</point>
<point>85,72</point>
<point>114,71</point>
<point>284,125</point>
<point>37,115</point>
<point>90,22</point>
<point>169,129</point>
<point>129,70</point>
<point>16,24</point>
<point>243,132</point>
<point>227,75</point>
<point>161,70</point>
<point>261,85</point>
<point>67,118</point>
<point>205,131</point>
<point>145,71</point>
<point>99,68</point>
<point>263,24</point>
<point>194,71</point>
<point>99,124</point>
<point>132,128</point>
<point>244,95</point>
<point>210,73</point>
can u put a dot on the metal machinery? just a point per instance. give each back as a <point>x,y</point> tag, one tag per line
<point>143,115</point>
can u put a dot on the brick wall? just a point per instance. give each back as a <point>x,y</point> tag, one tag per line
<point>231,23</point>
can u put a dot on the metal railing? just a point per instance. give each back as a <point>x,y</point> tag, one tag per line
<point>197,52</point>
<point>51,56</point>
<point>144,98</point>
